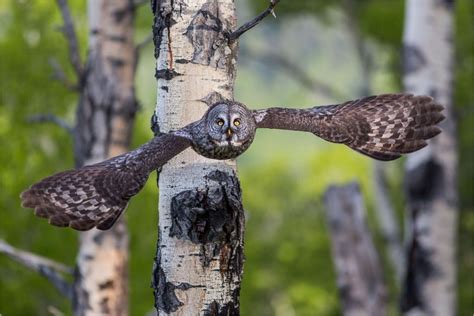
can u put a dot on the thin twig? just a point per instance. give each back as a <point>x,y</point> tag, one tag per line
<point>299,74</point>
<point>50,118</point>
<point>48,268</point>
<point>71,37</point>
<point>59,75</point>
<point>247,26</point>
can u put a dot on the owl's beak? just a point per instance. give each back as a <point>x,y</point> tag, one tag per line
<point>229,133</point>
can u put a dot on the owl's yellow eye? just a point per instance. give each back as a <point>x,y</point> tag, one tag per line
<point>236,122</point>
<point>220,122</point>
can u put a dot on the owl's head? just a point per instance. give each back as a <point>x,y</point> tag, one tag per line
<point>226,131</point>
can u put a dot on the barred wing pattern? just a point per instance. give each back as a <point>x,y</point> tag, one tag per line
<point>96,195</point>
<point>382,127</point>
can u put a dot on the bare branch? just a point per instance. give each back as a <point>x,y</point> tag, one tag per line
<point>71,37</point>
<point>50,118</point>
<point>359,273</point>
<point>48,268</point>
<point>59,75</point>
<point>249,25</point>
<point>54,311</point>
<point>299,74</point>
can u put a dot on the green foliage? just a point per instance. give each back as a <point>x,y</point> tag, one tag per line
<point>30,151</point>
<point>288,260</point>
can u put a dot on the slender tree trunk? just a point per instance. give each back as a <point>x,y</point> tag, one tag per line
<point>105,118</point>
<point>359,271</point>
<point>199,259</point>
<point>431,182</point>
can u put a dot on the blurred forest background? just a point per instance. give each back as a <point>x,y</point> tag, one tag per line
<point>307,56</point>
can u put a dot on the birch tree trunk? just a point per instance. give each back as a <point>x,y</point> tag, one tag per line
<point>105,118</point>
<point>198,265</point>
<point>430,281</point>
<point>359,271</point>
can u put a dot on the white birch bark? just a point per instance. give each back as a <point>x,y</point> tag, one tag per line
<point>104,121</point>
<point>199,259</point>
<point>430,282</point>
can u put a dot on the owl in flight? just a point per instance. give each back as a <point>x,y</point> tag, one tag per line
<point>382,127</point>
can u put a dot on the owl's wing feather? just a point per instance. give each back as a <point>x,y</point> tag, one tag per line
<point>96,195</point>
<point>382,127</point>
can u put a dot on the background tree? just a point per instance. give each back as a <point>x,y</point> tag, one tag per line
<point>431,181</point>
<point>103,129</point>
<point>104,120</point>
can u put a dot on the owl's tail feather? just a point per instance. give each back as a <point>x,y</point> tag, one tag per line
<point>399,126</point>
<point>84,198</point>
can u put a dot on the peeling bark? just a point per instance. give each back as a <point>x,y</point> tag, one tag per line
<point>105,118</point>
<point>198,265</point>
<point>359,271</point>
<point>431,182</point>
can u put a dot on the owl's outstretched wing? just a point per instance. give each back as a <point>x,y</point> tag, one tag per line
<point>382,127</point>
<point>96,195</point>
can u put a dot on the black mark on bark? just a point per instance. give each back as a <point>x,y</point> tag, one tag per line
<point>104,306</point>
<point>106,285</point>
<point>230,308</point>
<point>117,38</point>
<point>205,214</point>
<point>449,4</point>
<point>165,88</point>
<point>212,216</point>
<point>166,74</point>
<point>116,62</point>
<point>120,14</point>
<point>165,297</point>
<point>205,32</point>
<point>164,291</point>
<point>182,61</point>
<point>413,59</point>
<point>424,182</point>
<point>420,269</point>
<point>154,126</point>
<point>163,20</point>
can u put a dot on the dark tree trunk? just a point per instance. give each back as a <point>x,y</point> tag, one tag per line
<point>359,271</point>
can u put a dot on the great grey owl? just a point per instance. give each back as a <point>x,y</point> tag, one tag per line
<point>382,127</point>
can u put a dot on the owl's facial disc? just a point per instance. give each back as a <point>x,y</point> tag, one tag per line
<point>229,128</point>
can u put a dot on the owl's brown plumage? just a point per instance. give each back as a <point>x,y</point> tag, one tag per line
<point>96,195</point>
<point>382,127</point>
